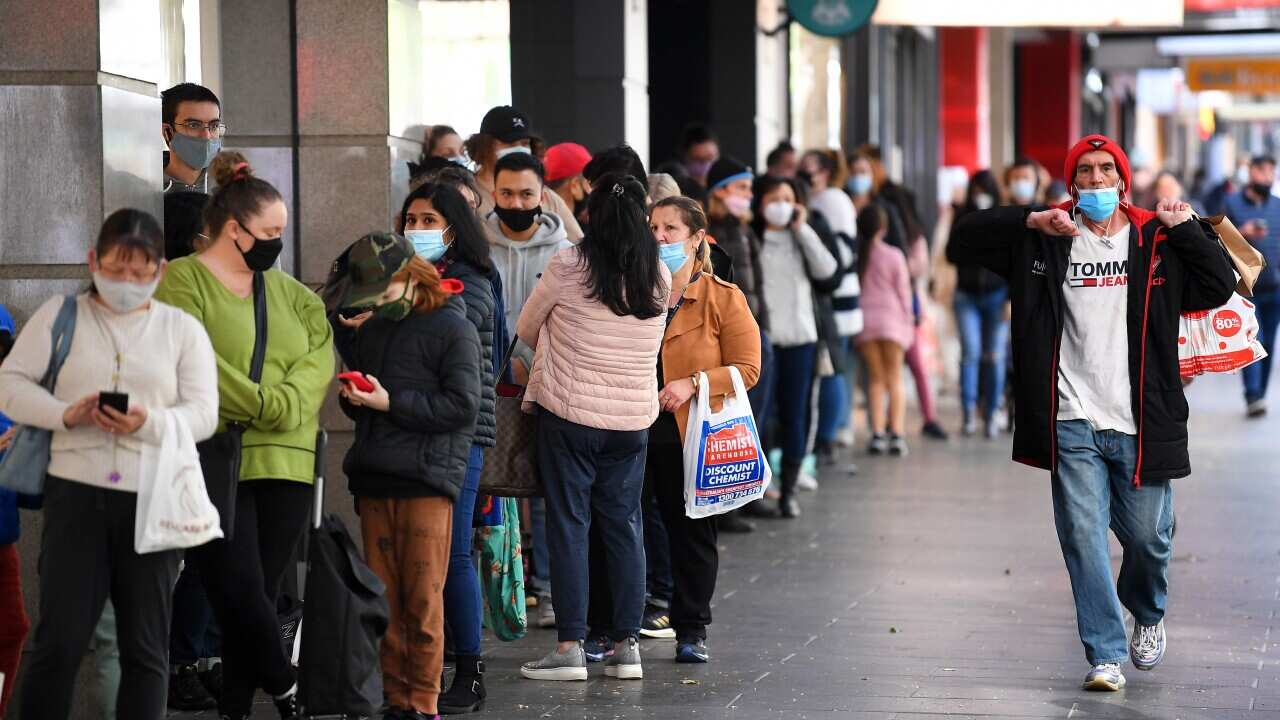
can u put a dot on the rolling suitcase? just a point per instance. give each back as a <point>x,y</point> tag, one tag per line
<point>343,621</point>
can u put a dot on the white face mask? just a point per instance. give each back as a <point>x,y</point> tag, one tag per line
<point>983,201</point>
<point>124,297</point>
<point>779,213</point>
<point>513,149</point>
<point>1023,191</point>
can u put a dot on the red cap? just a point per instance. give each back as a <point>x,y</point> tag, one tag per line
<point>1105,144</point>
<point>565,160</point>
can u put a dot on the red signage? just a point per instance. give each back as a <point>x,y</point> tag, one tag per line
<point>1227,5</point>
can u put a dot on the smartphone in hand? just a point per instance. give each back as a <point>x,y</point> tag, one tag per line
<point>357,380</point>
<point>116,400</point>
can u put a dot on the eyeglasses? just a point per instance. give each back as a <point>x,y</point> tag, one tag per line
<point>216,128</point>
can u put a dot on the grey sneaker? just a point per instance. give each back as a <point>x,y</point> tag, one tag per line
<point>546,612</point>
<point>571,665</point>
<point>897,446</point>
<point>1146,648</point>
<point>879,445</point>
<point>1256,408</point>
<point>1105,677</point>
<point>624,664</point>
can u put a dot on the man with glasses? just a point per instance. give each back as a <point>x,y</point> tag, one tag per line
<point>193,130</point>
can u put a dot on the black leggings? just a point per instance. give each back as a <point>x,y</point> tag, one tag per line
<point>243,577</point>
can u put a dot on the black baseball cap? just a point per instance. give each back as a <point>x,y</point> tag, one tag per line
<point>507,124</point>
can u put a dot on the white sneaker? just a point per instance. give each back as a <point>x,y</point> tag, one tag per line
<point>807,482</point>
<point>845,436</point>
<point>1147,646</point>
<point>1105,677</point>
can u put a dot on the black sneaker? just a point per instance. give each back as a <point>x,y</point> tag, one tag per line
<point>393,713</point>
<point>934,431</point>
<point>186,692</point>
<point>731,523</point>
<point>212,680</point>
<point>657,623</point>
<point>287,706</point>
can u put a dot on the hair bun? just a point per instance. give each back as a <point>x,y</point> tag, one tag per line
<point>229,166</point>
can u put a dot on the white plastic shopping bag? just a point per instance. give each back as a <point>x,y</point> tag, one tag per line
<point>724,465</point>
<point>1222,340</point>
<point>174,510</point>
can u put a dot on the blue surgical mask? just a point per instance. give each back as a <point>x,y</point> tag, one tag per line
<point>513,149</point>
<point>859,185</point>
<point>1099,204</point>
<point>429,244</point>
<point>195,152</point>
<point>673,255</point>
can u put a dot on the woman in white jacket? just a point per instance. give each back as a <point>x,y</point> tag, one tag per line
<point>793,253</point>
<point>160,357</point>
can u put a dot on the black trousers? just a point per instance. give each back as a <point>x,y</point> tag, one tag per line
<point>194,634</point>
<point>243,579</point>
<point>86,556</point>
<point>695,559</point>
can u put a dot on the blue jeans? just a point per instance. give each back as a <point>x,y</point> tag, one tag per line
<point>463,608</point>
<point>761,394</point>
<point>984,335</point>
<point>593,478</point>
<point>794,373</point>
<point>1092,491</point>
<point>835,398</point>
<point>1258,375</point>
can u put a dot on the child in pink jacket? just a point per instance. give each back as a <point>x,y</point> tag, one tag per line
<point>888,329</point>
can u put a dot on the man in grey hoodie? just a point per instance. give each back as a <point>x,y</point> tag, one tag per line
<point>523,236</point>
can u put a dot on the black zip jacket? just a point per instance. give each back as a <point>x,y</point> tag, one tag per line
<point>430,365</point>
<point>477,294</point>
<point>1170,271</point>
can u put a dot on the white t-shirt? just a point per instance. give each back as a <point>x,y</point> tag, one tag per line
<point>1093,364</point>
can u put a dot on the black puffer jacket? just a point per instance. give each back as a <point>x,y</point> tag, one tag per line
<point>742,246</point>
<point>1169,271</point>
<point>430,365</point>
<point>477,294</point>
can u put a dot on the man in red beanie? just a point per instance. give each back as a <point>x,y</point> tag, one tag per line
<point>1097,287</point>
<point>564,163</point>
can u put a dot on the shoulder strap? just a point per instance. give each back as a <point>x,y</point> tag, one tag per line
<point>259,327</point>
<point>506,359</point>
<point>64,330</point>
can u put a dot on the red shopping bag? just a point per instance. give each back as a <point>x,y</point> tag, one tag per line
<point>1222,340</point>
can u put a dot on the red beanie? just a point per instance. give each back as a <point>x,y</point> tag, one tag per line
<point>1105,144</point>
<point>565,160</point>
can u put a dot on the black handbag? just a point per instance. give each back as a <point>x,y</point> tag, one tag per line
<point>220,455</point>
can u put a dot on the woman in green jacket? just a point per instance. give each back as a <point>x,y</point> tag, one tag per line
<point>243,224</point>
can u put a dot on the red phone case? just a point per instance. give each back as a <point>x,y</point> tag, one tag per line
<point>358,380</point>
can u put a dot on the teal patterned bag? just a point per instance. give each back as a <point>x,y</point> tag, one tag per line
<point>502,574</point>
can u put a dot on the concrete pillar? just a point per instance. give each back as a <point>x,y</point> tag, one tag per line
<point>579,70</point>
<point>965,98</point>
<point>1049,98</point>
<point>1001,96</point>
<point>80,112</point>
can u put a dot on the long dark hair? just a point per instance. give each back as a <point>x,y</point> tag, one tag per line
<point>871,220</point>
<point>470,245</point>
<point>619,253</point>
<point>767,184</point>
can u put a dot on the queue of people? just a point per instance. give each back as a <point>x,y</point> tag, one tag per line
<point>608,294</point>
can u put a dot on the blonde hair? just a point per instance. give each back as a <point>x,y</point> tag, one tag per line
<point>662,186</point>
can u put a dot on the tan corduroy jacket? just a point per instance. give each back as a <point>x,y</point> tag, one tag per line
<point>713,330</point>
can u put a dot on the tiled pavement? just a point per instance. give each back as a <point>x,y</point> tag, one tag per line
<point>933,586</point>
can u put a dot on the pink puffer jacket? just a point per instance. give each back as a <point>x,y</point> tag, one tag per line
<point>590,366</point>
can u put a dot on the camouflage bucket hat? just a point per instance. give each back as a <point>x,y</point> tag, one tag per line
<point>371,262</point>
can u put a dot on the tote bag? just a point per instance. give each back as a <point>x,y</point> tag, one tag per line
<point>26,463</point>
<point>511,465</point>
<point>502,574</point>
<point>725,466</point>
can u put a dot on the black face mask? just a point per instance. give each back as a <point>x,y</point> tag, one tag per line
<point>262,256</point>
<point>1262,190</point>
<point>518,220</point>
